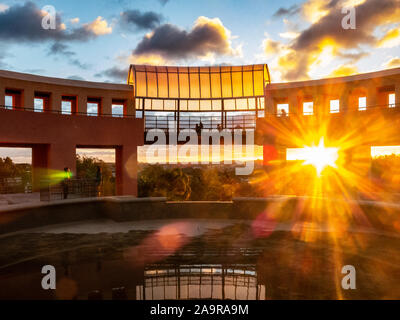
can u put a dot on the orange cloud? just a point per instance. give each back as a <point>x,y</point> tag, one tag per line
<point>392,63</point>
<point>205,40</point>
<point>325,41</point>
<point>99,27</point>
<point>344,70</point>
<point>390,39</point>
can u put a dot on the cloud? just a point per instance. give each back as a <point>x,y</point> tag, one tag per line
<point>99,27</point>
<point>24,23</point>
<point>3,7</point>
<point>74,20</point>
<point>392,63</point>
<point>324,40</point>
<point>287,11</point>
<point>271,47</point>
<point>114,73</point>
<point>390,39</point>
<point>60,49</point>
<point>139,20</point>
<point>344,70</point>
<point>207,38</point>
<point>75,77</point>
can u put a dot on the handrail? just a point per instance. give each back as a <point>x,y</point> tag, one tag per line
<point>30,109</point>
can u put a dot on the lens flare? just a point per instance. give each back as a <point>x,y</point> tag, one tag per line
<point>320,156</point>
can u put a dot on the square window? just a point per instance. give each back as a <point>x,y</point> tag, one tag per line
<point>38,105</point>
<point>283,109</point>
<point>66,107</point>
<point>92,109</point>
<point>117,110</point>
<point>362,103</point>
<point>334,106</point>
<point>392,100</point>
<point>308,108</point>
<point>9,102</point>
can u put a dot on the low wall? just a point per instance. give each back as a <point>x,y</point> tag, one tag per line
<point>284,209</point>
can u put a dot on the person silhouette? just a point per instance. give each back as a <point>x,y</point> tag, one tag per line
<point>65,182</point>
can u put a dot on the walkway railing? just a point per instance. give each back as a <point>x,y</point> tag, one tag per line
<point>66,113</point>
<point>209,122</point>
<point>71,189</point>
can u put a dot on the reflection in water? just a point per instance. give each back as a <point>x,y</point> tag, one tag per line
<point>242,261</point>
<point>212,281</point>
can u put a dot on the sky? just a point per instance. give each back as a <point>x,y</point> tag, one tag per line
<point>96,40</point>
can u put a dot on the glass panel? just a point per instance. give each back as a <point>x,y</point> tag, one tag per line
<point>8,102</point>
<point>258,83</point>
<point>216,85</point>
<point>241,104</point>
<point>334,106</point>
<point>117,110</point>
<point>194,85</point>
<point>184,85</point>
<point>169,105</point>
<point>92,109</point>
<point>308,108</point>
<point>193,105</point>
<point>216,104</point>
<point>157,104</point>
<point>138,103</point>
<point>226,85</point>
<point>151,84</point>
<point>38,105</point>
<point>162,85</point>
<point>282,109</point>
<point>229,104</point>
<point>392,100</point>
<point>248,83</point>
<point>66,107</point>
<point>183,105</point>
<point>261,103</point>
<point>205,85</point>
<point>147,104</point>
<point>252,103</point>
<point>362,103</point>
<point>141,84</point>
<point>237,84</point>
<point>173,85</point>
<point>205,105</point>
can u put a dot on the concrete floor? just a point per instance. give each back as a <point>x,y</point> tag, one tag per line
<point>18,198</point>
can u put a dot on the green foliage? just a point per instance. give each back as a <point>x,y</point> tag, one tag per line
<point>192,183</point>
<point>10,170</point>
<point>86,168</point>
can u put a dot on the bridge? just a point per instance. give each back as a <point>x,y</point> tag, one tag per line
<point>55,116</point>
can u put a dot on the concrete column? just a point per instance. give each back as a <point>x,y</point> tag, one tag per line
<point>106,106</point>
<point>344,101</point>
<point>39,165</point>
<point>55,105</point>
<point>126,170</point>
<point>293,103</point>
<point>372,99</point>
<point>82,104</point>
<point>2,93</point>
<point>62,156</point>
<point>397,93</point>
<point>28,100</point>
<point>281,183</point>
<point>319,103</point>
<point>269,102</point>
<point>130,108</point>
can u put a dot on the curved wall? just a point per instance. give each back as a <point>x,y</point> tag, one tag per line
<point>54,136</point>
